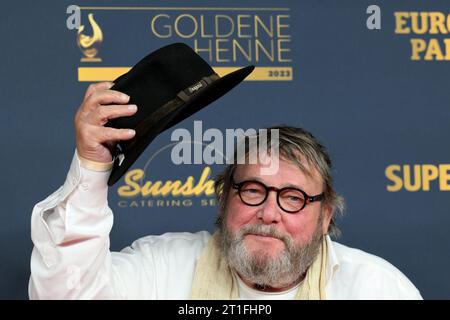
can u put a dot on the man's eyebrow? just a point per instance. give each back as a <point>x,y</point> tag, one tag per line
<point>250,179</point>
<point>287,185</point>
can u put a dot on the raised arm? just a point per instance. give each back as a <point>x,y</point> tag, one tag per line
<point>70,229</point>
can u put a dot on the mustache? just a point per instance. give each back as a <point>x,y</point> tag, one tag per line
<point>265,230</point>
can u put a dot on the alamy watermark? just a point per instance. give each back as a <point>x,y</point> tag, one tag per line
<point>73,21</point>
<point>212,146</point>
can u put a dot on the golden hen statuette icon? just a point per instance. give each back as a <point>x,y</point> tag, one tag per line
<point>89,45</point>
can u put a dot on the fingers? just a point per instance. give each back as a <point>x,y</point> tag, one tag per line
<point>94,141</point>
<point>100,115</point>
<point>92,136</point>
<point>104,97</point>
<point>104,134</point>
<point>96,87</point>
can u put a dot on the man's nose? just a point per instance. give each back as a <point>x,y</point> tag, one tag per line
<point>270,211</point>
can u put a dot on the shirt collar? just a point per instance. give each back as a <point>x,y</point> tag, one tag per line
<point>332,259</point>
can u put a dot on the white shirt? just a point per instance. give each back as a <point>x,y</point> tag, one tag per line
<point>71,257</point>
<point>247,293</point>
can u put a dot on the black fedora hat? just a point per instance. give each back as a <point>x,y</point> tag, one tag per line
<point>168,85</point>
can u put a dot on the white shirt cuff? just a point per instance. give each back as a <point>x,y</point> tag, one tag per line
<point>94,165</point>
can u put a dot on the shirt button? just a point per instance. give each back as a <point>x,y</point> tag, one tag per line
<point>85,187</point>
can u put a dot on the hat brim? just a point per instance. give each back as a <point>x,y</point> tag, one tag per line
<point>200,100</point>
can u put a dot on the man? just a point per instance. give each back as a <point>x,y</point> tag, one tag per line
<point>272,240</point>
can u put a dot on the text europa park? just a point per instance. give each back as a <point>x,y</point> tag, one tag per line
<point>225,38</point>
<point>424,24</point>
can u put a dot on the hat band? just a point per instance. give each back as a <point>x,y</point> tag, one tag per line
<point>145,125</point>
<point>186,94</point>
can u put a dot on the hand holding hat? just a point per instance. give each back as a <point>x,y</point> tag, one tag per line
<point>168,85</point>
<point>100,104</point>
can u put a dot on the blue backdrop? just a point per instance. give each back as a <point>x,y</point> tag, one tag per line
<point>377,98</point>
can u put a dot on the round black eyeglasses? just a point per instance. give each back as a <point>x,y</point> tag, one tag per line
<point>254,193</point>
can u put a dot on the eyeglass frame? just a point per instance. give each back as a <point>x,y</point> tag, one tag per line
<point>308,198</point>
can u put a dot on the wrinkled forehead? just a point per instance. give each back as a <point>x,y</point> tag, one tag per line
<point>266,157</point>
<point>294,171</point>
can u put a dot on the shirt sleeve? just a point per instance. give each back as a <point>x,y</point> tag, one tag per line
<point>71,257</point>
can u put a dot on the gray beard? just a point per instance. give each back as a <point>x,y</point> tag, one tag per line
<point>261,269</point>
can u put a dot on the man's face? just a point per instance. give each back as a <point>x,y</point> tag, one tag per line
<point>294,236</point>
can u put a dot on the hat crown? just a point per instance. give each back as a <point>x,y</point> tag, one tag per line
<point>163,73</point>
<point>168,85</point>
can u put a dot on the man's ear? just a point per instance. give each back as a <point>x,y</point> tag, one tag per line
<point>327,214</point>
